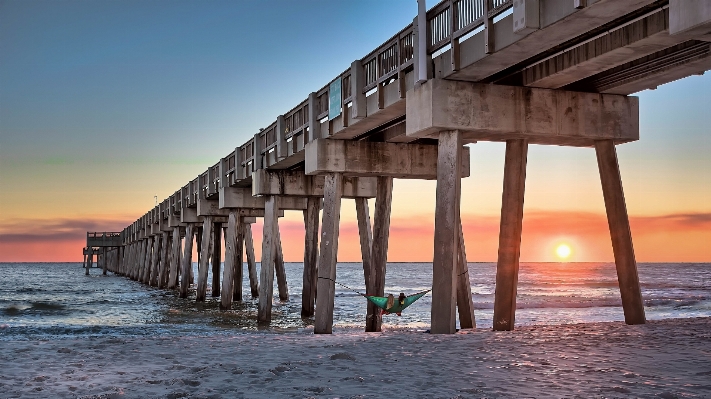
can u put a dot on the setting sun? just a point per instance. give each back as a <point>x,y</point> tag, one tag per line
<point>563,251</point>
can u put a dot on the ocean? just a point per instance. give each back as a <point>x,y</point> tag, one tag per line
<point>56,300</point>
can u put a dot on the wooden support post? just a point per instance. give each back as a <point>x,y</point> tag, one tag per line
<point>620,233</point>
<point>204,259</point>
<point>216,258</point>
<point>381,235</point>
<point>308,296</point>
<point>238,274</point>
<point>198,243</point>
<point>326,289</point>
<point>83,265</point>
<point>266,277</point>
<point>233,260</point>
<point>175,260</point>
<point>187,261</point>
<point>279,268</point>
<point>465,304</point>
<point>366,246</point>
<point>446,236</point>
<point>510,235</point>
<point>251,261</point>
<point>90,259</point>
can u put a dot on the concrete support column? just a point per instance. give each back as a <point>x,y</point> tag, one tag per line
<point>620,233</point>
<point>175,260</point>
<point>510,234</point>
<point>379,254</point>
<point>465,304</point>
<point>105,261</point>
<point>251,261</point>
<point>216,258</point>
<point>232,277</point>
<point>308,296</point>
<point>238,274</point>
<point>326,289</point>
<point>90,259</point>
<point>164,261</point>
<point>269,246</point>
<point>279,268</point>
<point>366,249</point>
<point>204,259</point>
<point>149,260</point>
<point>186,261</point>
<point>155,259</point>
<point>446,236</point>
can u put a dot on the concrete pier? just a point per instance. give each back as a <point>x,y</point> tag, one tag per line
<point>544,72</point>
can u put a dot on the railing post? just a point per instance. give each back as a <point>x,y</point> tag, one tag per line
<point>257,148</point>
<point>357,84</point>
<point>419,29</point>
<point>488,28</point>
<point>238,172</point>
<point>281,144</point>
<point>454,43</point>
<point>314,125</point>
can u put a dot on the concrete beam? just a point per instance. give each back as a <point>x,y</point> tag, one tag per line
<point>241,197</point>
<point>499,113</point>
<point>690,18</point>
<point>298,183</point>
<point>630,42</point>
<point>362,158</point>
<point>189,215</point>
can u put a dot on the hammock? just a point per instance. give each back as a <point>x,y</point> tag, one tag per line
<point>397,307</point>
<point>382,301</point>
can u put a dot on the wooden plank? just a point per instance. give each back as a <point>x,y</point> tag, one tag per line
<point>446,236</point>
<point>381,235</point>
<point>333,190</point>
<point>279,268</point>
<point>465,304</point>
<point>216,258</point>
<point>230,261</point>
<point>620,233</point>
<point>204,260</point>
<point>251,261</point>
<point>510,235</point>
<point>175,260</point>
<point>266,277</point>
<point>308,296</point>
<point>187,261</point>
<point>366,246</point>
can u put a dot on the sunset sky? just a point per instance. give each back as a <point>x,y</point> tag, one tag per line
<point>106,104</point>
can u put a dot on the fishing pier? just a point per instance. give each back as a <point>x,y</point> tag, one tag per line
<point>519,72</point>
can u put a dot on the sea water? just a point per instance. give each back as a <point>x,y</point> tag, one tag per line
<point>50,300</point>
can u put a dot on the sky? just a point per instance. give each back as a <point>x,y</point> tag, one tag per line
<point>106,104</point>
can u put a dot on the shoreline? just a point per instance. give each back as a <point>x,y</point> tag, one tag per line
<point>663,358</point>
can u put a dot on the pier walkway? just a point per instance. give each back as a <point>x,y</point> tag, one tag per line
<point>546,72</point>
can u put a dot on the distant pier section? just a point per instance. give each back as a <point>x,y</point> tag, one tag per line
<point>519,72</point>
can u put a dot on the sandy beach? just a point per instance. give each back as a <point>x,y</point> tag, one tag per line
<point>665,359</point>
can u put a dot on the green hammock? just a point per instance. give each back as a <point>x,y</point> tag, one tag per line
<point>397,307</point>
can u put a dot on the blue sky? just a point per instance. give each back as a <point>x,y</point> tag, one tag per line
<point>104,104</point>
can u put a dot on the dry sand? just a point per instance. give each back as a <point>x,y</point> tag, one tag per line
<point>663,359</point>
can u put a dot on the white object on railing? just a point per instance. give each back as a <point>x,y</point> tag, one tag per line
<point>421,41</point>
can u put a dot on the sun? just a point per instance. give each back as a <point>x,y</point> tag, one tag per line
<point>563,251</point>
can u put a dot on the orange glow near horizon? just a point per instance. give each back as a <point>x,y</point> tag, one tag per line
<point>669,238</point>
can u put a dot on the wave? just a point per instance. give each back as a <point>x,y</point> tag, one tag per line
<point>18,309</point>
<point>598,303</point>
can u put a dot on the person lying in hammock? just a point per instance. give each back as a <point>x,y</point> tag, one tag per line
<point>388,304</point>
<point>391,303</point>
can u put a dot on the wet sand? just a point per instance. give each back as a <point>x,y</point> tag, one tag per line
<point>662,359</point>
